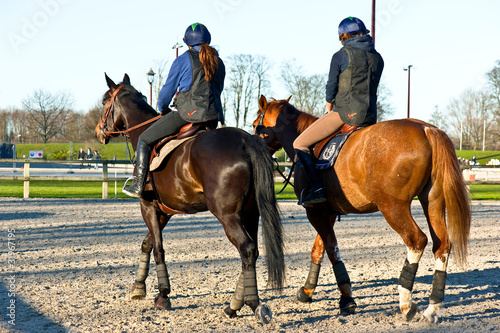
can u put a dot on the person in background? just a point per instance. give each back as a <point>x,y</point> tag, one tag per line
<point>96,157</point>
<point>81,156</point>
<point>89,156</point>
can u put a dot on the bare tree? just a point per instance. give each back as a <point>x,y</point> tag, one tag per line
<point>47,113</point>
<point>438,119</point>
<point>160,67</point>
<point>384,107</point>
<point>493,86</point>
<point>248,77</point>
<point>471,118</point>
<point>4,125</point>
<point>308,91</point>
<point>19,121</point>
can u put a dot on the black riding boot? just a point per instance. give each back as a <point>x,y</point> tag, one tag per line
<point>317,192</point>
<point>142,167</point>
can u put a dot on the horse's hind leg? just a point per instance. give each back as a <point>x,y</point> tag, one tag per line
<point>398,215</point>
<point>435,214</point>
<point>242,233</point>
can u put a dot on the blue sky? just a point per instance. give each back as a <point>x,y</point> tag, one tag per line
<point>67,45</point>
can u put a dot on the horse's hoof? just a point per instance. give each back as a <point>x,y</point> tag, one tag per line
<point>162,303</point>
<point>408,314</point>
<point>347,305</point>
<point>302,296</point>
<point>430,314</point>
<point>263,314</point>
<point>230,313</point>
<point>138,290</point>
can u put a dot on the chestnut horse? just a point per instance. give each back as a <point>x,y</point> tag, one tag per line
<point>226,171</point>
<point>381,168</point>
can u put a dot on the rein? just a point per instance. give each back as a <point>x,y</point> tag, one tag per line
<point>286,178</point>
<point>110,109</point>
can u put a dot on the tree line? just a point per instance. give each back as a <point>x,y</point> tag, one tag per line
<point>470,119</point>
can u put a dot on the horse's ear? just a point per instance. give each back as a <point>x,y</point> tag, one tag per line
<point>262,102</point>
<point>126,79</point>
<point>110,83</point>
<point>288,99</point>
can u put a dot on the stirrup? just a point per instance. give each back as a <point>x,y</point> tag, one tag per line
<point>314,197</point>
<point>129,178</point>
<point>130,193</point>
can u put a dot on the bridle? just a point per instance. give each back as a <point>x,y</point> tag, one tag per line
<point>110,111</point>
<point>286,179</point>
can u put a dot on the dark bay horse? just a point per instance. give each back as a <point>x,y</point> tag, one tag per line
<point>382,168</point>
<point>226,171</point>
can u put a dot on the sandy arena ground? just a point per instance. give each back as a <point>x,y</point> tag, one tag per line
<point>75,262</point>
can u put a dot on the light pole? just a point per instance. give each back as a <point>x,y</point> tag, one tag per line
<point>151,77</point>
<point>177,46</point>
<point>373,21</point>
<point>408,69</point>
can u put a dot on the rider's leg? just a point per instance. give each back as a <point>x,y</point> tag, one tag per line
<point>163,127</point>
<point>320,129</point>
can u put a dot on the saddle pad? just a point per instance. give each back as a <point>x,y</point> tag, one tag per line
<point>167,148</point>
<point>331,150</point>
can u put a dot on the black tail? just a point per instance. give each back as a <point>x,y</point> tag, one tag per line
<point>262,168</point>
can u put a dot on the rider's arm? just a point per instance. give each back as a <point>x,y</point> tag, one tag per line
<point>339,63</point>
<point>179,76</point>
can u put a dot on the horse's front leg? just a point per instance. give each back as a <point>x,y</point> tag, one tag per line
<point>305,293</point>
<point>324,223</point>
<point>139,286</point>
<point>156,221</point>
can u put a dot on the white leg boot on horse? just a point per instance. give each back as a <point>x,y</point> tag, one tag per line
<point>437,294</point>
<point>405,285</point>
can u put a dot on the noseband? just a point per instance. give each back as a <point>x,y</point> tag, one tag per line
<point>104,118</point>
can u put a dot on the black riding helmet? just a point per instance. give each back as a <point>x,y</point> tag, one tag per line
<point>197,34</point>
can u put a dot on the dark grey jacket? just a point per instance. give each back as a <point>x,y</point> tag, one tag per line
<point>354,76</point>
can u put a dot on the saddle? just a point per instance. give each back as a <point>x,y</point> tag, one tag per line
<point>327,150</point>
<point>167,145</point>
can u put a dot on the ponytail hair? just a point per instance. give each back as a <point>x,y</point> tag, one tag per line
<point>209,60</point>
<point>345,36</point>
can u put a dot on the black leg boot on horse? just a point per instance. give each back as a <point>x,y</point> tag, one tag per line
<point>317,193</point>
<point>142,168</point>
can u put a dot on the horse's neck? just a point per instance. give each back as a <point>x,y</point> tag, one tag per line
<point>134,118</point>
<point>286,137</point>
<point>291,129</point>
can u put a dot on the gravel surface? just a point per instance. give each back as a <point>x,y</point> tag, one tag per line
<point>75,262</point>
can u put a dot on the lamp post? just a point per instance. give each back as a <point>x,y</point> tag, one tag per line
<point>177,46</point>
<point>151,77</point>
<point>373,21</point>
<point>408,69</point>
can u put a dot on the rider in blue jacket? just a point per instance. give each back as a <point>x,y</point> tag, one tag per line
<point>197,76</point>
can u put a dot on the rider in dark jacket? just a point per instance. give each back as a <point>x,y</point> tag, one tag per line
<point>198,78</point>
<point>355,72</point>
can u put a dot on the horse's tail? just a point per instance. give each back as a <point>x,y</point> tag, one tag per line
<point>262,170</point>
<point>446,173</point>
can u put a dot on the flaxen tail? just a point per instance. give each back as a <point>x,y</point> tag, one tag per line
<point>446,173</point>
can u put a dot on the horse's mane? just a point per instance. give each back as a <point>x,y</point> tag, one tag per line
<point>303,119</point>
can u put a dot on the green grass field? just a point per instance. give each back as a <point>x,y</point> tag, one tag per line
<point>82,189</point>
